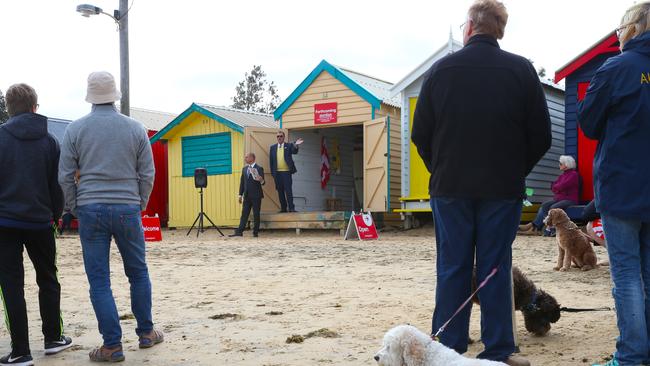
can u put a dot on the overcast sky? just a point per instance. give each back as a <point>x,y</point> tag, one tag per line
<point>197,50</point>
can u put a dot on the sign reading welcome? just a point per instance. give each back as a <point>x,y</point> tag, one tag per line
<point>325,113</point>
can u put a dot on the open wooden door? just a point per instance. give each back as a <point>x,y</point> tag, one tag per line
<point>375,165</point>
<point>258,140</point>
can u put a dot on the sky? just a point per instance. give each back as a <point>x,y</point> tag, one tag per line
<point>198,50</point>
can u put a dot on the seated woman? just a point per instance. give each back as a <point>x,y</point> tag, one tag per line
<point>566,190</point>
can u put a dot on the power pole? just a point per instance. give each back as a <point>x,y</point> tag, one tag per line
<point>125,105</point>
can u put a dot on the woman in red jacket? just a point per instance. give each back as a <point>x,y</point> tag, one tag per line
<point>566,190</point>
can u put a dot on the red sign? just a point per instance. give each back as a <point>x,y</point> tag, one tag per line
<point>151,226</point>
<point>364,226</point>
<point>325,113</point>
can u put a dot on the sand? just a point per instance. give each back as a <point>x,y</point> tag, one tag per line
<point>235,301</point>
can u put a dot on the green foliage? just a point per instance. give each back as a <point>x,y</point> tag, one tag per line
<point>4,115</point>
<point>255,93</point>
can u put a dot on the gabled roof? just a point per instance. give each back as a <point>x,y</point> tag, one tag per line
<point>235,119</point>
<point>608,44</point>
<point>450,47</point>
<point>152,120</point>
<point>368,88</point>
<point>380,88</point>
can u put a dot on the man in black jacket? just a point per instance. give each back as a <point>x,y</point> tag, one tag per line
<point>30,201</point>
<point>250,194</point>
<point>282,168</point>
<point>481,124</point>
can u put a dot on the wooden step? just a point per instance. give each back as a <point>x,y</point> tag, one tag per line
<point>304,216</point>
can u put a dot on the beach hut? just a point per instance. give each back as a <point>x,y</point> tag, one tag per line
<point>415,177</point>
<point>213,138</point>
<point>359,124</point>
<point>578,74</point>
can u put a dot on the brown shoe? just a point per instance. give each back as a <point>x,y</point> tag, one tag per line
<point>526,227</point>
<point>517,361</point>
<point>105,354</point>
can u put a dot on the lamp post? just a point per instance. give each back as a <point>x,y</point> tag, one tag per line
<point>121,17</point>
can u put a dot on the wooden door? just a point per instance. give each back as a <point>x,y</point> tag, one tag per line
<point>375,165</point>
<point>258,140</point>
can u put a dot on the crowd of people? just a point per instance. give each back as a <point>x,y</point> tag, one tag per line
<point>478,157</point>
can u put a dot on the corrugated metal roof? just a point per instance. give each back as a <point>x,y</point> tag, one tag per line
<point>152,120</point>
<point>57,127</point>
<point>241,117</point>
<point>378,87</point>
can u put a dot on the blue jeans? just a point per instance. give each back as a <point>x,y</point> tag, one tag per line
<point>485,229</point>
<point>628,246</point>
<point>98,223</point>
<point>546,207</point>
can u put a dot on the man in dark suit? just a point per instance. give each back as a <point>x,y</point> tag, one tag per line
<point>250,194</point>
<point>282,167</point>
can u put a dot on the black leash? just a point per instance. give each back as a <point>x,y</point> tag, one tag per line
<point>576,310</point>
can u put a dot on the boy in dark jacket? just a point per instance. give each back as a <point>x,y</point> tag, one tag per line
<point>30,201</point>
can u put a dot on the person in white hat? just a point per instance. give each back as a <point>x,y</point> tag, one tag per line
<point>116,172</point>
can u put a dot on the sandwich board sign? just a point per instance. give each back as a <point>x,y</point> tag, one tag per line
<point>361,226</point>
<point>151,228</point>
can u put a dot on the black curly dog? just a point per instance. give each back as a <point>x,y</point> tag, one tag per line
<point>539,308</point>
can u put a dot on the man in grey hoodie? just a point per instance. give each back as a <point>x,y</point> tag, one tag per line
<point>116,172</point>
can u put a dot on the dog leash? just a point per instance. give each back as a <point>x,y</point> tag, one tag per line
<point>578,310</point>
<point>485,281</point>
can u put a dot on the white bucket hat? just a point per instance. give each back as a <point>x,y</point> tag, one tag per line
<point>101,88</point>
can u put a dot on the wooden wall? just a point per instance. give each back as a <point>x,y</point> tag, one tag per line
<point>352,109</point>
<point>220,197</point>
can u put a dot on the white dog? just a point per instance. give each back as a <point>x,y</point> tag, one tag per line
<point>405,345</point>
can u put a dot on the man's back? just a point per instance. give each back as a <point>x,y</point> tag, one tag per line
<point>113,156</point>
<point>481,122</point>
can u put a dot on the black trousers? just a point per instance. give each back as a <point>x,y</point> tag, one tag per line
<point>250,203</point>
<point>283,184</point>
<point>41,249</point>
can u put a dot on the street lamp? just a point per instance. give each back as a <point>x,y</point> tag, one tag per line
<point>121,17</point>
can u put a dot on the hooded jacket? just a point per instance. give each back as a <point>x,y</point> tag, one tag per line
<point>616,112</point>
<point>30,195</point>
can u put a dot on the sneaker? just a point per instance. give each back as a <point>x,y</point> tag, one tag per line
<point>612,362</point>
<point>55,347</point>
<point>9,359</point>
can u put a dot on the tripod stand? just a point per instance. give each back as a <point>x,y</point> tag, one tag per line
<point>199,219</point>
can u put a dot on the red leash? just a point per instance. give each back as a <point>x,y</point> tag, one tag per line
<point>485,281</point>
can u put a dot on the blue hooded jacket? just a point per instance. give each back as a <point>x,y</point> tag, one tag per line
<point>616,112</point>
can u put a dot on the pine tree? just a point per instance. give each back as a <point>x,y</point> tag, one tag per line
<point>255,93</point>
<point>4,115</point>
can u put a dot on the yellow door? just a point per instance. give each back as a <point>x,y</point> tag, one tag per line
<point>258,140</point>
<point>375,165</point>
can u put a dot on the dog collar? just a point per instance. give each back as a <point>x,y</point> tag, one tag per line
<point>532,306</point>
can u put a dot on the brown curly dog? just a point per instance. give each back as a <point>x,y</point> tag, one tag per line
<point>573,245</point>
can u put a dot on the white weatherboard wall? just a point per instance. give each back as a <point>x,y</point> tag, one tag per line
<point>307,192</point>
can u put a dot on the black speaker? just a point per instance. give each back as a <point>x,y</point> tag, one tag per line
<point>200,177</point>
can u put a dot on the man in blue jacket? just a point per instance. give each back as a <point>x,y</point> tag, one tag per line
<point>282,168</point>
<point>616,112</point>
<point>481,124</point>
<point>30,201</point>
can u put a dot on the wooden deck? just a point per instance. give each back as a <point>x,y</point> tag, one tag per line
<point>320,220</point>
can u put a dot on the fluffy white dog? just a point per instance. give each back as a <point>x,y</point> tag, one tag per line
<point>405,345</point>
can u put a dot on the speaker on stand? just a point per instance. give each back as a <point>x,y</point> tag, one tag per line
<point>201,181</point>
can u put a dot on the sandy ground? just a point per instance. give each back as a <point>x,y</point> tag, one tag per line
<point>313,281</point>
